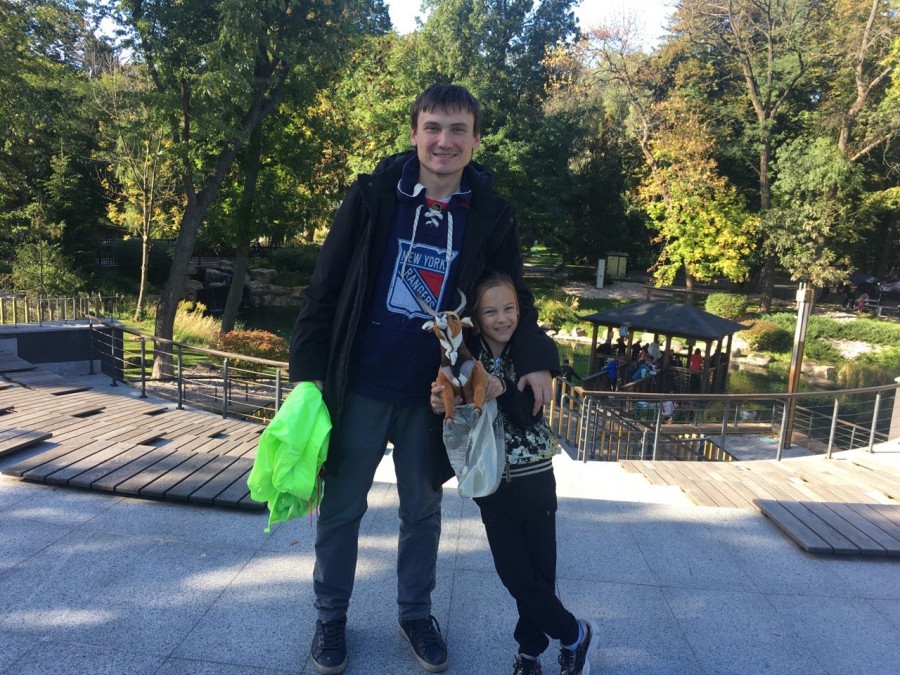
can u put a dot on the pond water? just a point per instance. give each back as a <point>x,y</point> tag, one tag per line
<point>280,320</point>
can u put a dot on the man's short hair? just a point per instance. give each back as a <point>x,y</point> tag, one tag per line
<point>450,97</point>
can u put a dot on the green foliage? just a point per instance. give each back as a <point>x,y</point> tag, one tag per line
<point>556,312</point>
<point>873,331</point>
<point>295,265</point>
<point>259,343</point>
<point>816,215</point>
<point>767,336</point>
<point>727,305</point>
<point>701,221</point>
<point>127,254</point>
<point>859,374</point>
<point>821,352</point>
<point>194,327</point>
<point>40,268</point>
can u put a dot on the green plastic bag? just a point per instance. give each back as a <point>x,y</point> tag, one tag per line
<point>290,454</point>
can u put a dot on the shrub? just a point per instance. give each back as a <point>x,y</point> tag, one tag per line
<point>192,326</point>
<point>767,336</point>
<point>295,265</point>
<point>727,305</point>
<point>557,313</point>
<point>259,343</point>
<point>821,352</point>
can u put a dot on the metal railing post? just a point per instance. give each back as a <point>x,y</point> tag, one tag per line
<point>143,368</point>
<point>225,389</point>
<point>90,346</point>
<point>834,419</point>
<point>112,357</point>
<point>783,432</point>
<point>724,433</point>
<point>180,386</point>
<point>277,388</point>
<point>874,422</point>
<point>656,429</point>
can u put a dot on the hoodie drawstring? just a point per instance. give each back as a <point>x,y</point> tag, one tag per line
<point>434,219</point>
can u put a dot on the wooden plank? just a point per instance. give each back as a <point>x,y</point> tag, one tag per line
<point>95,474</point>
<point>40,472</point>
<point>838,542</point>
<point>203,475</point>
<point>22,441</point>
<point>133,485</point>
<point>65,474</point>
<point>18,470</point>
<point>237,471</point>
<point>793,527</point>
<point>890,544</point>
<point>866,544</point>
<point>890,512</point>
<point>112,480</point>
<point>165,482</point>
<point>238,490</point>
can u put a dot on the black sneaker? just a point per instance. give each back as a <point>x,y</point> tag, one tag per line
<point>577,662</point>
<point>429,648</point>
<point>329,647</point>
<point>525,666</point>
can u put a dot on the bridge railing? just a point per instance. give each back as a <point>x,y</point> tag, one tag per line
<point>25,309</point>
<point>233,385</point>
<point>608,424</point>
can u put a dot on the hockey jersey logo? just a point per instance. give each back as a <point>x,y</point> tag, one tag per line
<point>424,274</point>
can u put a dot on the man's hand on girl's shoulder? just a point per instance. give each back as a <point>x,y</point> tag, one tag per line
<point>540,382</point>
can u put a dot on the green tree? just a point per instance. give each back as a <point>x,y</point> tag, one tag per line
<point>817,214</point>
<point>220,68</point>
<point>141,180</point>
<point>768,45</point>
<point>701,221</point>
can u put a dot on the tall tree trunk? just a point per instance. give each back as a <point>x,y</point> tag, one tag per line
<point>173,291</point>
<point>145,264</point>
<point>883,264</point>
<point>767,277</point>
<point>245,222</point>
<point>236,289</point>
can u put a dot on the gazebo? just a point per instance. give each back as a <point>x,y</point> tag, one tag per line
<point>670,320</point>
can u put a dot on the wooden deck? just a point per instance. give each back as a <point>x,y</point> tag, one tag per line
<point>846,505</point>
<point>101,441</point>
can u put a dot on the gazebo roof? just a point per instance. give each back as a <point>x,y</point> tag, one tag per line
<point>667,318</point>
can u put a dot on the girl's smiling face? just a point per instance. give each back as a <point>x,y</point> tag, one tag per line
<point>497,315</point>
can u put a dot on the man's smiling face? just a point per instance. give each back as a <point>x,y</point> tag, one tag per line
<point>444,142</point>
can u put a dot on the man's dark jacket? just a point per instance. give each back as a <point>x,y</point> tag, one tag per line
<point>339,294</point>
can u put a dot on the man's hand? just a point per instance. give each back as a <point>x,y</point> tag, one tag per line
<point>539,381</point>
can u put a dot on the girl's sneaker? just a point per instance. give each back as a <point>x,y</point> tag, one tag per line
<point>578,662</point>
<point>526,666</point>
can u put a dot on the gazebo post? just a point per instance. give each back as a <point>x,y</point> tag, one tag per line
<point>705,371</point>
<point>592,365</point>
<point>717,380</point>
<point>666,360</point>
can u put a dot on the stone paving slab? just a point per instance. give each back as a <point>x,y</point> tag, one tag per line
<point>109,584</point>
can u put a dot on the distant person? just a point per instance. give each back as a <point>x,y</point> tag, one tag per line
<point>696,366</point>
<point>654,350</point>
<point>611,369</point>
<point>667,410</point>
<point>566,372</point>
<point>861,302</point>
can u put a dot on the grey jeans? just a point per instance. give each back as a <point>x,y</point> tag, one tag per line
<point>366,427</point>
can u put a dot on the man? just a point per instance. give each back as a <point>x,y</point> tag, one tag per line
<point>423,226</point>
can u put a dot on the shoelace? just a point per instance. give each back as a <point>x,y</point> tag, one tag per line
<point>567,660</point>
<point>424,633</point>
<point>332,637</point>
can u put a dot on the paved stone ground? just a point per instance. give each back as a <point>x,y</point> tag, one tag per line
<point>91,583</point>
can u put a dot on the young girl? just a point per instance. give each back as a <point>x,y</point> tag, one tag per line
<point>520,517</point>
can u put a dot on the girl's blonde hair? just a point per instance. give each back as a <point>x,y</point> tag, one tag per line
<point>492,280</point>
